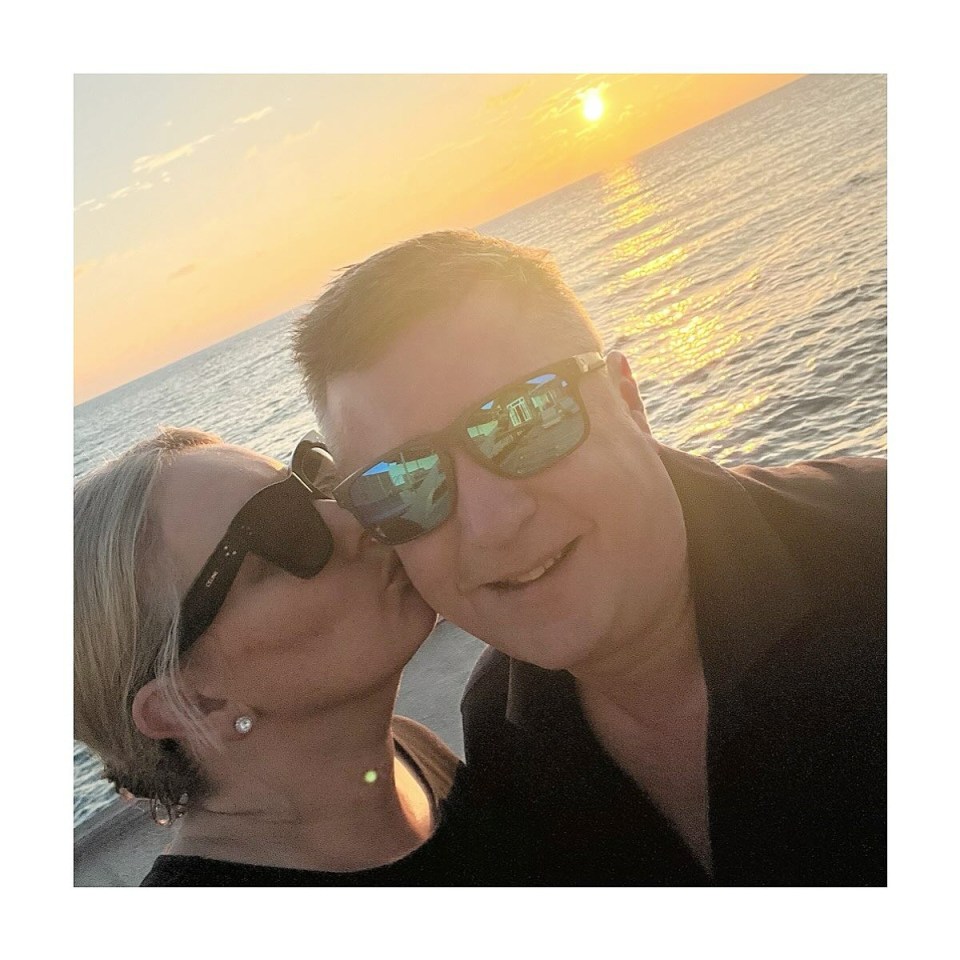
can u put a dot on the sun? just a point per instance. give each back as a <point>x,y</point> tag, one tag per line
<point>592,105</point>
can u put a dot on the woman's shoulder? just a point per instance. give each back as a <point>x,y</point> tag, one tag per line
<point>435,762</point>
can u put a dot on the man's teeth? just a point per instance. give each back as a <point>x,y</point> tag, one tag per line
<point>535,573</point>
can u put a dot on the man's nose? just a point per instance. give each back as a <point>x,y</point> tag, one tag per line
<point>490,509</point>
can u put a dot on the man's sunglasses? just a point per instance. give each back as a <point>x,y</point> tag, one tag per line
<point>517,432</point>
<point>279,524</point>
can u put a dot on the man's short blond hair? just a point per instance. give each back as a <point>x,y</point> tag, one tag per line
<point>370,304</point>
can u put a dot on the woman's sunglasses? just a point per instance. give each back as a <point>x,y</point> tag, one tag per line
<point>279,524</point>
<point>409,491</point>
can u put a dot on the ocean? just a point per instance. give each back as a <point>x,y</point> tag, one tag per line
<point>740,266</point>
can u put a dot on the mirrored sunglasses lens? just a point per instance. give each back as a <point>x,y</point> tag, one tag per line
<point>526,430</point>
<point>400,499</point>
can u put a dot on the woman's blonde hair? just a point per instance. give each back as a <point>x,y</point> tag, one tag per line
<point>125,616</point>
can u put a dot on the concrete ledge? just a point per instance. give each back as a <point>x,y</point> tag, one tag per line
<point>103,822</point>
<point>118,849</point>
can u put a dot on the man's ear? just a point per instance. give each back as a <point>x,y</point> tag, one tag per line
<point>621,376</point>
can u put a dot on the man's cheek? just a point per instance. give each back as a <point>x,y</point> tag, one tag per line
<point>422,574</point>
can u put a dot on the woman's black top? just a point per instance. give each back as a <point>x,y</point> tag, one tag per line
<point>478,841</point>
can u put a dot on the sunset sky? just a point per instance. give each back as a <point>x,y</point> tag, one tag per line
<point>205,204</point>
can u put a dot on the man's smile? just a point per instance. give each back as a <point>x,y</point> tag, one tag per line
<point>521,580</point>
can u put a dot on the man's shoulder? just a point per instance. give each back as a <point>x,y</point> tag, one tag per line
<point>831,514</point>
<point>847,488</point>
<point>817,523</point>
<point>854,487</point>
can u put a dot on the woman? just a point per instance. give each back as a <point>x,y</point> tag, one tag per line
<point>237,657</point>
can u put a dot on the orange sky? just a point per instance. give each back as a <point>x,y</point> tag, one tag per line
<point>207,204</point>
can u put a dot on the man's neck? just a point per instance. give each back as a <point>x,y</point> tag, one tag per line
<point>647,705</point>
<point>653,673</point>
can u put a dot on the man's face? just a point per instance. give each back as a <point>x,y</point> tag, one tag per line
<point>607,510</point>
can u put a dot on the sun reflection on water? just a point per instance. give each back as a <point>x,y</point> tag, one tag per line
<point>700,342</point>
<point>664,262</point>
<point>718,417</point>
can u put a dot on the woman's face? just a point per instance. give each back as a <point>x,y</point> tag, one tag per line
<point>279,642</point>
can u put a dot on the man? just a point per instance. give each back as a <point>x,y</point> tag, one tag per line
<point>690,661</point>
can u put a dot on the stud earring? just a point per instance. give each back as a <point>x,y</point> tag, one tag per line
<point>243,724</point>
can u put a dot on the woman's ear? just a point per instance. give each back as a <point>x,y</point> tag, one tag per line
<point>618,369</point>
<point>153,716</point>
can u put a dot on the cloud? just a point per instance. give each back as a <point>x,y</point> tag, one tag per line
<point>317,127</point>
<point>508,96</point>
<point>183,271</point>
<point>155,161</point>
<point>82,268</point>
<point>564,100</point>
<point>132,188</point>
<point>250,117</point>
<point>449,148</point>
<point>90,206</point>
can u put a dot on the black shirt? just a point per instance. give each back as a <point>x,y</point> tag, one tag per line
<point>788,573</point>
<point>447,858</point>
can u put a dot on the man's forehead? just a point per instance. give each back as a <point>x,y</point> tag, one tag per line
<point>435,368</point>
<point>369,411</point>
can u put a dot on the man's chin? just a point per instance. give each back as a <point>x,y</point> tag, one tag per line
<point>542,652</point>
<point>550,645</point>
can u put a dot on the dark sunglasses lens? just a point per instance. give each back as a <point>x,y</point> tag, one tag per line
<point>315,467</point>
<point>527,428</point>
<point>399,499</point>
<point>287,530</point>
